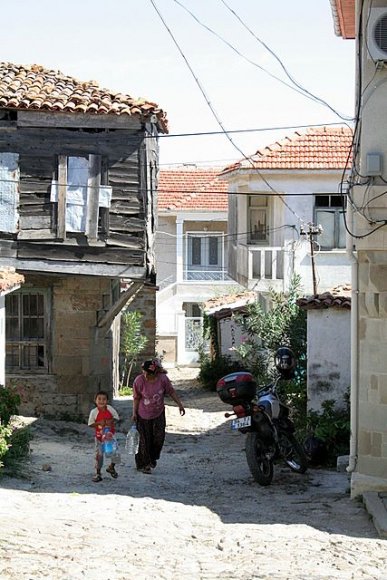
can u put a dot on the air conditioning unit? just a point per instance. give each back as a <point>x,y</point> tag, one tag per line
<point>377,34</point>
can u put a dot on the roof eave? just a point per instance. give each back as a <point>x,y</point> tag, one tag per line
<point>343,13</point>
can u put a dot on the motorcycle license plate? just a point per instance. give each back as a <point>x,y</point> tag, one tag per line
<point>241,422</point>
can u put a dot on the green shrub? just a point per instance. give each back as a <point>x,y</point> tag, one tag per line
<point>5,435</point>
<point>18,442</point>
<point>9,402</point>
<point>333,427</point>
<point>125,391</point>
<point>14,440</point>
<point>213,370</point>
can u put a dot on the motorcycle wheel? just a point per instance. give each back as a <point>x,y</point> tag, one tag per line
<point>261,467</point>
<point>292,452</point>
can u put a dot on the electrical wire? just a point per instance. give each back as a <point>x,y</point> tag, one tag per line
<point>256,130</point>
<point>222,235</point>
<point>354,149</point>
<point>295,86</point>
<point>167,190</point>
<point>216,116</point>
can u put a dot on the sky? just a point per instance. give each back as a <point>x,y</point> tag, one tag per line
<point>125,46</point>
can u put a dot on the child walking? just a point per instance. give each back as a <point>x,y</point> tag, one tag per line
<point>102,416</point>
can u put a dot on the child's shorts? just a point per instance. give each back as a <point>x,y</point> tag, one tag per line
<point>115,458</point>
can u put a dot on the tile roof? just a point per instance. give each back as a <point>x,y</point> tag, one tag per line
<point>317,148</point>
<point>9,279</point>
<point>338,297</point>
<point>343,12</point>
<point>192,189</point>
<point>33,87</point>
<point>224,306</point>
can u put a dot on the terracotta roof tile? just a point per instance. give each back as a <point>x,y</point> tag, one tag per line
<point>33,87</point>
<point>338,297</point>
<point>9,279</point>
<point>192,189</point>
<point>225,306</point>
<point>317,148</point>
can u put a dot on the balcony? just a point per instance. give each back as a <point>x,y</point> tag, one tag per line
<point>265,263</point>
<point>261,267</point>
<point>216,275</point>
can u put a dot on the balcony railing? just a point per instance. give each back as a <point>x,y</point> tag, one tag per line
<point>206,275</point>
<point>266,263</point>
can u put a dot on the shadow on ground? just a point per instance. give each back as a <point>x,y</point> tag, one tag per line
<point>203,464</point>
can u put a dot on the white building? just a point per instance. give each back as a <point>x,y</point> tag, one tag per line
<point>275,195</point>
<point>191,254</point>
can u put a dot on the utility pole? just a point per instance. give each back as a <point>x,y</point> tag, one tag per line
<point>310,231</point>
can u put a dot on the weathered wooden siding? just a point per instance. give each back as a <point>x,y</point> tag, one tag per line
<point>126,241</point>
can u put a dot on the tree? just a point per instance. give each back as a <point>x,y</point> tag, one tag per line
<point>133,342</point>
<point>284,324</point>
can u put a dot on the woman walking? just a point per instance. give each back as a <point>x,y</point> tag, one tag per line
<point>149,390</point>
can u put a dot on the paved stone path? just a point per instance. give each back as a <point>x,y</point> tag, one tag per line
<point>198,516</point>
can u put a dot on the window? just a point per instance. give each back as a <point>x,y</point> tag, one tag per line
<point>258,219</point>
<point>85,197</point>
<point>204,257</point>
<point>330,215</point>
<point>26,330</point>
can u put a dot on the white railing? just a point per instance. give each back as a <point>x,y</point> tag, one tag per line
<point>206,275</point>
<point>265,262</point>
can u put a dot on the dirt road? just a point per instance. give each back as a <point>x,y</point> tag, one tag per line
<point>198,516</point>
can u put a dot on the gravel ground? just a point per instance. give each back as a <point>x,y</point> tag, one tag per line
<point>199,515</point>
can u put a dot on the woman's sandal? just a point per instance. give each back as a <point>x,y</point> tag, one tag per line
<point>97,477</point>
<point>112,472</point>
<point>146,470</point>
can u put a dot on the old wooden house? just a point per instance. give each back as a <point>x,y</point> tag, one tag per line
<point>78,171</point>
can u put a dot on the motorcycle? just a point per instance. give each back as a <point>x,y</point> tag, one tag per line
<point>266,420</point>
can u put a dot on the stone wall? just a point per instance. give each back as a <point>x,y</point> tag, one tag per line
<point>372,436</point>
<point>79,355</point>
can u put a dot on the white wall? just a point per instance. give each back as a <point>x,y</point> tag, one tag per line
<point>332,267</point>
<point>329,358</point>
<point>165,248</point>
<point>230,335</point>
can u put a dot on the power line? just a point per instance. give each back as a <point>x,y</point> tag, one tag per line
<point>222,235</point>
<point>249,193</point>
<point>256,130</point>
<point>174,190</point>
<point>217,118</point>
<point>295,86</point>
<point>290,77</point>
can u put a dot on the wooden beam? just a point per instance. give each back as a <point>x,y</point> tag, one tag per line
<point>62,189</point>
<point>76,120</point>
<point>93,184</point>
<point>125,298</point>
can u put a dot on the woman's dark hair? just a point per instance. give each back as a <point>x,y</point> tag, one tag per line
<point>149,367</point>
<point>104,393</point>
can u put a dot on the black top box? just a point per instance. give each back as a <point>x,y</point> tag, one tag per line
<point>236,388</point>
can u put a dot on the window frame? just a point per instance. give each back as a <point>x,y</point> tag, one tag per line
<point>21,342</point>
<point>204,251</point>
<point>262,207</point>
<point>98,175</point>
<point>336,211</point>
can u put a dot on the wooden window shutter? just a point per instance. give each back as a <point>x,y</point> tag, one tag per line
<point>93,185</point>
<point>62,188</point>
